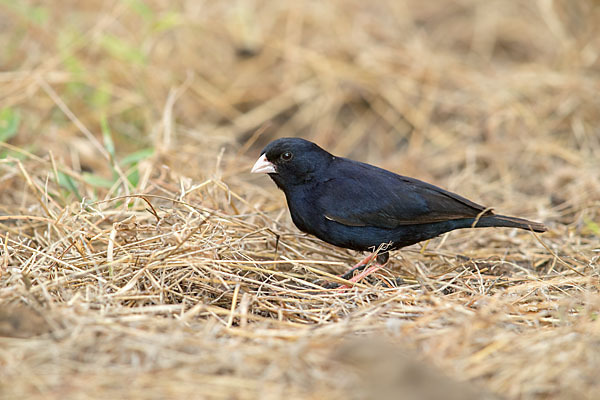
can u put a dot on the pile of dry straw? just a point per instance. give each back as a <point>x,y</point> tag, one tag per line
<point>175,273</point>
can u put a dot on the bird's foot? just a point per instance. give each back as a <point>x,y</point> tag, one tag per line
<point>350,273</point>
<point>381,260</point>
<point>362,275</point>
<point>358,267</point>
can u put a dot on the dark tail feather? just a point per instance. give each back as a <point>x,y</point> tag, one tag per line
<point>509,222</point>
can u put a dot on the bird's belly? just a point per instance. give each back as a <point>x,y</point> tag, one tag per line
<point>362,238</point>
<point>310,219</point>
<point>369,238</point>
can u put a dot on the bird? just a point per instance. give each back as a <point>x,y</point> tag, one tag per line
<point>359,206</point>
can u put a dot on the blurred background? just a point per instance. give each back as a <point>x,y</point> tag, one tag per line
<point>497,99</point>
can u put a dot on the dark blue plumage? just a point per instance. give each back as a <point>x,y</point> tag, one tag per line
<point>359,206</point>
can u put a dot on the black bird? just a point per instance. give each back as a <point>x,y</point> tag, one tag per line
<point>359,206</point>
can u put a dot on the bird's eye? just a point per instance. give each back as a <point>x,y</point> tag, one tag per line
<point>287,156</point>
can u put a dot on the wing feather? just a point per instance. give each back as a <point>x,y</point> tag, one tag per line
<point>365,195</point>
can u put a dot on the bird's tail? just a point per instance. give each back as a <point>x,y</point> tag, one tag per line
<point>509,222</point>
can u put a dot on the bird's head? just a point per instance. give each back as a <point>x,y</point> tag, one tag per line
<point>292,161</point>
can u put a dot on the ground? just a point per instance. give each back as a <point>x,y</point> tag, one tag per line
<point>139,258</point>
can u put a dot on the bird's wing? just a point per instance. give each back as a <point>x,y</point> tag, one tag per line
<point>363,195</point>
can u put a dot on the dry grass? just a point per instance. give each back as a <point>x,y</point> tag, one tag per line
<point>171,272</point>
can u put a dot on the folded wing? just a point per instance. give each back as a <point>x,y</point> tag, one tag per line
<point>364,195</point>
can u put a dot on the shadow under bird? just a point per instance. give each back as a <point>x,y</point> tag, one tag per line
<point>361,207</point>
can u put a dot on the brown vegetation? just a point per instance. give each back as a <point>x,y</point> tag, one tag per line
<point>140,259</point>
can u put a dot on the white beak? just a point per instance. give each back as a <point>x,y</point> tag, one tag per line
<point>263,166</point>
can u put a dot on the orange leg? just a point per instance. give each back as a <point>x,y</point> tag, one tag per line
<point>368,271</point>
<point>362,275</point>
<point>358,265</point>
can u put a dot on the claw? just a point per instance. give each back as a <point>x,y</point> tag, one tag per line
<point>381,260</point>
